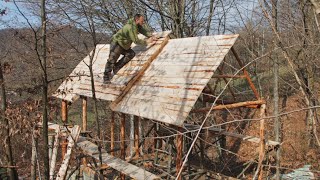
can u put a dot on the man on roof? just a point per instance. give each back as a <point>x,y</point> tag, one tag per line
<point>121,44</point>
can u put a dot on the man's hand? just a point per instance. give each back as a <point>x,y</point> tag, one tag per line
<point>151,41</point>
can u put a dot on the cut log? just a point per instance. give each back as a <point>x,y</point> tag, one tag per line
<point>54,153</point>
<point>73,137</point>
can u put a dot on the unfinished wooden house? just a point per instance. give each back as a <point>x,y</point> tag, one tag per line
<point>177,84</point>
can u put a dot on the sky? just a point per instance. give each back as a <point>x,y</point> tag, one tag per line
<point>12,18</point>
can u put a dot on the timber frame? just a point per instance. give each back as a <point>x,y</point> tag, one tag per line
<point>174,149</point>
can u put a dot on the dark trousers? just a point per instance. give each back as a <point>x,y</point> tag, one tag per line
<point>115,51</point>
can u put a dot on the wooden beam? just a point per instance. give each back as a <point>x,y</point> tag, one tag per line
<point>262,142</point>
<point>84,122</point>
<point>73,137</point>
<point>112,133</point>
<point>229,106</point>
<point>139,75</point>
<point>64,117</point>
<point>84,113</point>
<point>122,143</point>
<point>64,111</point>
<point>54,153</point>
<point>245,72</point>
<point>136,135</point>
<point>229,87</point>
<point>179,152</point>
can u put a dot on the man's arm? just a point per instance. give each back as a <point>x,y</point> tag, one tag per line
<point>133,34</point>
<point>144,31</point>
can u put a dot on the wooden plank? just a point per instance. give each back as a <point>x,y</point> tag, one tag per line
<point>176,80</point>
<point>173,100</point>
<point>128,169</point>
<point>73,137</point>
<point>99,95</point>
<point>155,111</point>
<point>183,93</point>
<point>229,106</point>
<point>88,147</point>
<point>138,76</point>
<point>101,90</point>
<point>170,85</point>
<point>181,70</point>
<point>160,106</point>
<point>171,51</point>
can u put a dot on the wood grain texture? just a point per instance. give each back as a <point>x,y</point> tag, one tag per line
<point>171,85</point>
<point>120,165</point>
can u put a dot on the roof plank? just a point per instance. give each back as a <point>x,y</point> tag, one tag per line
<point>181,70</point>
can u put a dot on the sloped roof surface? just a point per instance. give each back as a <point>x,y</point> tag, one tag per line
<point>171,85</point>
<point>79,81</point>
<point>168,89</point>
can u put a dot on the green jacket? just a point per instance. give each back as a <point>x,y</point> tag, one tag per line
<point>129,33</point>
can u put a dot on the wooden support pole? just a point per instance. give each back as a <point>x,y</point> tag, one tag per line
<point>84,122</point>
<point>122,144</point>
<point>245,72</point>
<point>179,152</point>
<point>229,87</point>
<point>259,171</point>
<point>138,75</point>
<point>64,111</point>
<point>112,133</point>
<point>136,135</point>
<point>64,117</point>
<point>229,106</point>
<point>84,113</point>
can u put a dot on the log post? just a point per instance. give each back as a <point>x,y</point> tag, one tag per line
<point>122,144</point>
<point>64,117</point>
<point>84,121</point>
<point>179,152</point>
<point>136,135</point>
<point>262,141</point>
<point>112,133</point>
<point>64,111</point>
<point>84,113</point>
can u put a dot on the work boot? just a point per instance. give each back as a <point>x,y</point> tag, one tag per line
<point>107,78</point>
<point>107,75</point>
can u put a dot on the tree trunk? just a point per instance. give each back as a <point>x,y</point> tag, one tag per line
<point>34,155</point>
<point>44,90</point>
<point>9,157</point>
<point>277,124</point>
<point>210,17</point>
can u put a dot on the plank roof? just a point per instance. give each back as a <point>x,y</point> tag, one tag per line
<point>79,81</point>
<point>169,88</point>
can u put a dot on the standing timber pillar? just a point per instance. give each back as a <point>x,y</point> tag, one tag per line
<point>179,152</point>
<point>64,117</point>
<point>112,133</point>
<point>259,171</point>
<point>122,142</point>
<point>136,135</point>
<point>84,121</point>
<point>84,113</point>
